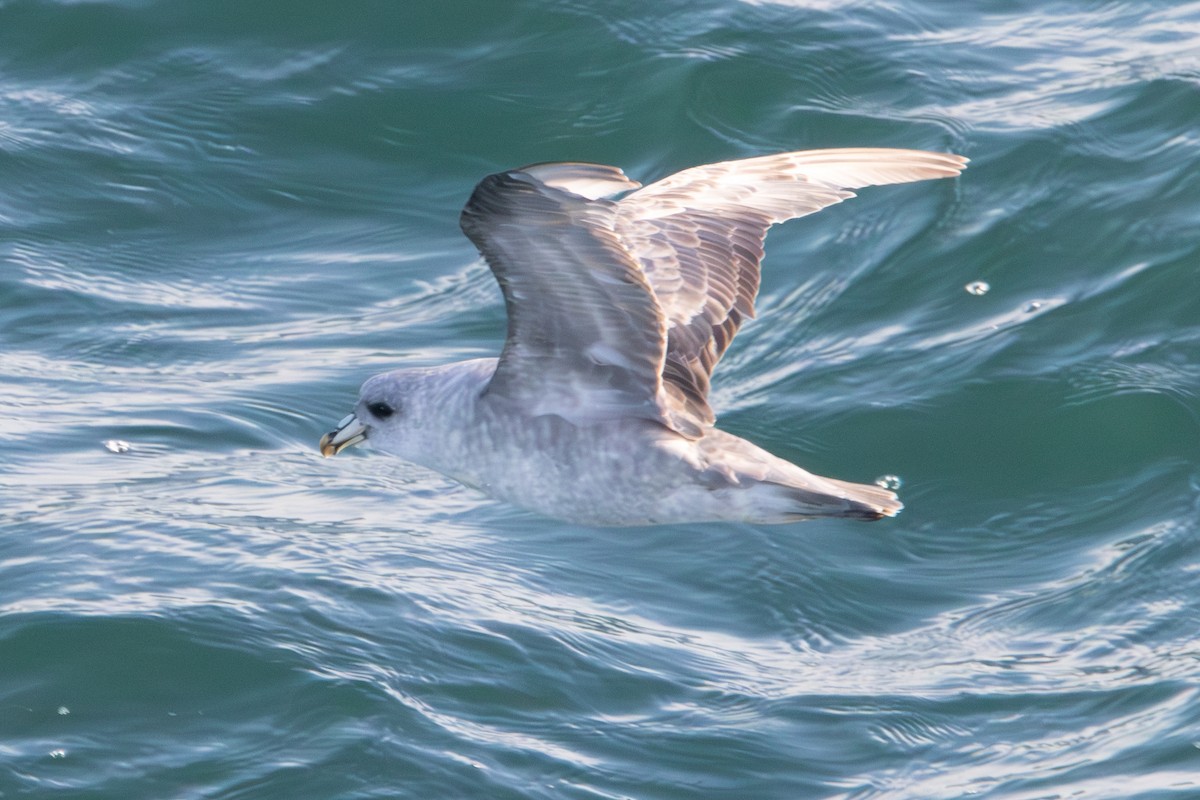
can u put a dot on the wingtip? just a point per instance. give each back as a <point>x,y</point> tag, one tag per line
<point>856,167</point>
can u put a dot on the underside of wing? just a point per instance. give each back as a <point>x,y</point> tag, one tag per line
<point>698,235</point>
<point>586,337</point>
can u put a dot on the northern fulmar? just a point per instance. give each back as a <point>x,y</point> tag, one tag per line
<point>621,300</point>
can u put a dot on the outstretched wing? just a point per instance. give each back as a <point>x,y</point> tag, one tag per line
<point>698,236</point>
<point>586,338</point>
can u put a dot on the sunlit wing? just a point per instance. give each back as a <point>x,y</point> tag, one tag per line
<point>623,308</point>
<point>698,235</point>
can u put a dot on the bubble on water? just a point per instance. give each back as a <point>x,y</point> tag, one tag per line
<point>63,711</point>
<point>1033,305</point>
<point>890,482</point>
<point>117,446</point>
<point>977,288</point>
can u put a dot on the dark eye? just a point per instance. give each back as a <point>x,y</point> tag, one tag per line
<point>380,410</point>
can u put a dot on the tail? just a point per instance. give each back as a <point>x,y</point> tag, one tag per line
<point>840,499</point>
<point>872,502</point>
<point>779,491</point>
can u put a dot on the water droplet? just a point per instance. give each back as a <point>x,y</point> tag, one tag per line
<point>63,711</point>
<point>891,482</point>
<point>977,288</point>
<point>116,446</point>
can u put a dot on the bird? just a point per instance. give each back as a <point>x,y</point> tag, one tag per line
<point>621,299</point>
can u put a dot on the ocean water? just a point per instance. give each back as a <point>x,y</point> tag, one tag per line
<point>218,218</point>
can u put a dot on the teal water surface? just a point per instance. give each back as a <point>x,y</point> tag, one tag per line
<point>218,218</point>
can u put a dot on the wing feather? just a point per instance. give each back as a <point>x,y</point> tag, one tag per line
<point>586,337</point>
<point>698,235</point>
<point>623,308</point>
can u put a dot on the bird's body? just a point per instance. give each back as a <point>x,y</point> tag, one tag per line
<point>596,411</point>
<point>627,471</point>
